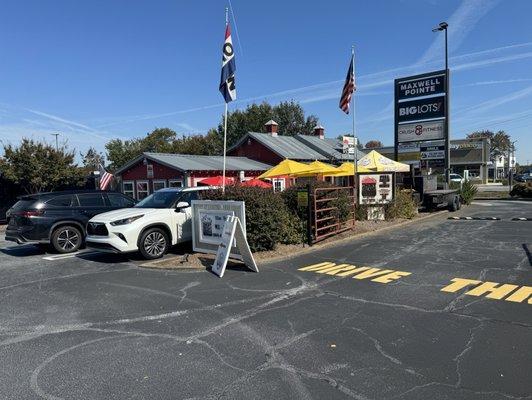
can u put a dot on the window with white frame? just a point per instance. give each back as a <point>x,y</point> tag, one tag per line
<point>159,184</point>
<point>142,190</point>
<point>278,184</point>
<point>128,188</point>
<point>174,183</point>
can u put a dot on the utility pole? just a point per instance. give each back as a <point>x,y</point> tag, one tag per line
<point>442,26</point>
<point>56,141</point>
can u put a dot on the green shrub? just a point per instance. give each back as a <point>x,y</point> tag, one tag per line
<point>522,190</point>
<point>361,212</point>
<point>402,206</point>
<point>467,191</point>
<point>344,206</point>
<point>268,220</point>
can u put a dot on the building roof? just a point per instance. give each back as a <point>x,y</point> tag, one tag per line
<point>330,148</point>
<point>284,146</point>
<point>187,162</point>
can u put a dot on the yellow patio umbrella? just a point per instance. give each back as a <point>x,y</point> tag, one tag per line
<point>285,167</point>
<point>347,169</point>
<point>316,168</point>
<point>375,161</point>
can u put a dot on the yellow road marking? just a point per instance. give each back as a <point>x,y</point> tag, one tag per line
<point>491,290</point>
<point>356,270</point>
<point>315,267</point>
<point>372,273</point>
<point>519,296</point>
<point>458,284</point>
<point>392,276</point>
<point>378,275</point>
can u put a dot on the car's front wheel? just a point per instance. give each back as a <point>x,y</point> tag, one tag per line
<point>153,243</point>
<point>66,239</point>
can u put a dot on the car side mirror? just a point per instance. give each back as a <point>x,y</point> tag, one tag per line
<point>181,205</point>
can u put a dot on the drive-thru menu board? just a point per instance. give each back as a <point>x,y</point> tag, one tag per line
<point>375,188</point>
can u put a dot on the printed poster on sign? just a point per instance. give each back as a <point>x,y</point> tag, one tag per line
<point>208,219</point>
<point>233,232</point>
<point>226,238</point>
<point>212,225</point>
<point>375,188</point>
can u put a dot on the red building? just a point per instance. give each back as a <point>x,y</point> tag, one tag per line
<point>153,171</point>
<point>271,148</point>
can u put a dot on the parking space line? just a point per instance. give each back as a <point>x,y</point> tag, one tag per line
<point>70,255</point>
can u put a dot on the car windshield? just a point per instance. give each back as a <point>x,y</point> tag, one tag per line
<point>159,200</point>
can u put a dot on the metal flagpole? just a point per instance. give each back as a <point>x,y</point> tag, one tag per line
<point>225,116</point>
<point>225,147</point>
<point>355,152</point>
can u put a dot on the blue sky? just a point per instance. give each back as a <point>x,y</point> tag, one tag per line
<point>102,69</point>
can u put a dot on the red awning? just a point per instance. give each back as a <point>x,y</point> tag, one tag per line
<point>257,183</point>
<point>216,181</point>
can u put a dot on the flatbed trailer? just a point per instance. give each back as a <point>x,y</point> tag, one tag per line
<point>434,199</point>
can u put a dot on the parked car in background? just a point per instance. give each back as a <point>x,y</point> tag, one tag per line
<point>456,178</point>
<point>153,225</point>
<point>59,218</point>
<point>526,177</point>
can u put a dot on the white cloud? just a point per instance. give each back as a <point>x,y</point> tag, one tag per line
<point>498,82</point>
<point>461,23</point>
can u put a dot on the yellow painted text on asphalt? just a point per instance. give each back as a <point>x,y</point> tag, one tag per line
<point>373,274</point>
<point>491,290</point>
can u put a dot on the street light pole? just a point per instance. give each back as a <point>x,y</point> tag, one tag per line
<point>442,26</point>
<point>56,142</point>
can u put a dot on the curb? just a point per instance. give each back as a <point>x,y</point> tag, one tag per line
<point>363,235</point>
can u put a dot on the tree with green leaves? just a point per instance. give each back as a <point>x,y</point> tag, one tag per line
<point>92,159</point>
<point>37,166</point>
<point>500,142</point>
<point>205,145</point>
<point>289,115</point>
<point>120,152</point>
<point>372,144</point>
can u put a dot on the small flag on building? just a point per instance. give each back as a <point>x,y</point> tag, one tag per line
<point>349,88</point>
<point>227,80</point>
<point>105,178</point>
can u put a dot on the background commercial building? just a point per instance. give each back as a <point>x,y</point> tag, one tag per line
<point>466,154</point>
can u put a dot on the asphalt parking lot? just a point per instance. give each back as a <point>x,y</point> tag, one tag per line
<point>367,319</point>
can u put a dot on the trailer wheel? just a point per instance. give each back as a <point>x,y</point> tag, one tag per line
<point>454,204</point>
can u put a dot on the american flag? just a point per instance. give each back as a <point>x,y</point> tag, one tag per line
<point>105,178</point>
<point>349,88</point>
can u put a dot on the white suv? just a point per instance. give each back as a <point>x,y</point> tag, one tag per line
<point>153,225</point>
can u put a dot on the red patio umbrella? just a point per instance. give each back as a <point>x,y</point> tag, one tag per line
<point>257,183</point>
<point>216,181</point>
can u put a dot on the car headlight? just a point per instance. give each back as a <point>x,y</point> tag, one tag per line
<point>126,221</point>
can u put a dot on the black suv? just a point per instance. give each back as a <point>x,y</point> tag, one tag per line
<point>59,218</point>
